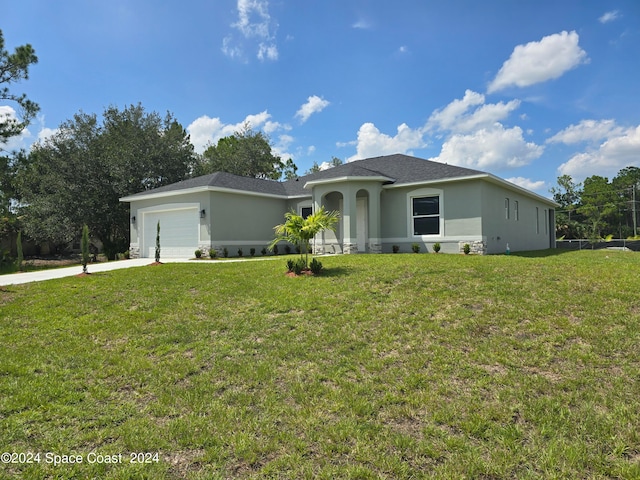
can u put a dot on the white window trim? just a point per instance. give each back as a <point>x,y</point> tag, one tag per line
<point>516,210</point>
<point>425,192</point>
<point>507,215</point>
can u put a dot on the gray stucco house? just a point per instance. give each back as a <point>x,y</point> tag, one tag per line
<point>383,201</point>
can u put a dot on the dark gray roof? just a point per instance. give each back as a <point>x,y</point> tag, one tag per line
<point>399,169</point>
<point>223,180</point>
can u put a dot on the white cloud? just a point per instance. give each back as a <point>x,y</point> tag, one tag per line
<point>538,62</point>
<point>610,16</point>
<point>25,139</point>
<point>268,51</point>
<point>490,148</point>
<point>314,104</point>
<point>371,142</point>
<point>586,131</point>
<point>617,152</point>
<point>534,185</point>
<point>205,130</point>
<point>454,117</point>
<point>254,24</point>
<point>362,24</point>
<point>281,147</point>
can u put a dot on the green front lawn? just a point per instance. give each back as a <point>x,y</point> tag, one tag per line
<point>387,366</point>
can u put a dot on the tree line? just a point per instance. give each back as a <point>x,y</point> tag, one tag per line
<point>598,208</point>
<point>77,176</point>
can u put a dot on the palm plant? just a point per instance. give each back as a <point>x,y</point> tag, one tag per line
<point>299,231</point>
<point>84,247</point>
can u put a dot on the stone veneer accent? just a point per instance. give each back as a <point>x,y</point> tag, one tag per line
<point>348,248</point>
<point>375,248</point>
<point>478,247</point>
<point>134,251</point>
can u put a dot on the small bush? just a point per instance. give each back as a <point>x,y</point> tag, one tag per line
<point>252,252</point>
<point>287,249</point>
<point>84,245</point>
<point>127,255</point>
<point>239,252</point>
<point>436,247</point>
<point>395,248</point>
<point>416,248</point>
<point>198,253</point>
<point>315,266</point>
<point>275,249</point>
<point>466,249</point>
<point>263,251</point>
<point>290,264</point>
<point>298,266</point>
<point>213,253</point>
<point>225,252</point>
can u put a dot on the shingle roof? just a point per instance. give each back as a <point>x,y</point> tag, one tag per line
<point>399,169</point>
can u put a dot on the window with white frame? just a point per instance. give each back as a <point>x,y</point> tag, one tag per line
<point>506,208</point>
<point>537,220</point>
<point>425,213</point>
<point>516,210</point>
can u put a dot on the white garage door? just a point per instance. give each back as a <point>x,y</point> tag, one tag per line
<point>178,233</point>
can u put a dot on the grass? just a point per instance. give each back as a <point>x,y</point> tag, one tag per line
<point>386,366</point>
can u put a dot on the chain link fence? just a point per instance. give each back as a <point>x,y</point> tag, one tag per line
<point>617,244</point>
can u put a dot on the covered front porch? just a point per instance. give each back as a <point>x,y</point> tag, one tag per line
<point>358,201</point>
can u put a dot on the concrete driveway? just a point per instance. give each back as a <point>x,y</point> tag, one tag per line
<point>37,276</point>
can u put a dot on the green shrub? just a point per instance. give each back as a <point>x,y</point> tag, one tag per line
<point>315,266</point>
<point>198,253</point>
<point>158,243</point>
<point>436,247</point>
<point>298,266</point>
<point>263,251</point>
<point>416,248</point>
<point>84,246</point>
<point>252,252</point>
<point>127,255</point>
<point>225,252</point>
<point>466,249</point>
<point>290,264</point>
<point>395,248</point>
<point>240,252</point>
<point>213,253</point>
<point>275,249</point>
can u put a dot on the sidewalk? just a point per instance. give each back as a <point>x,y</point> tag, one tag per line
<point>40,275</point>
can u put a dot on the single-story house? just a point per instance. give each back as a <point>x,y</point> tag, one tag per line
<point>393,200</point>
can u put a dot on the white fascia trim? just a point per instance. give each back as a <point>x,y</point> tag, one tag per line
<point>377,178</point>
<point>147,196</point>
<point>434,182</point>
<point>187,191</point>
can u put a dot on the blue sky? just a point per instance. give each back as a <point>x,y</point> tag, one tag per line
<point>527,90</point>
